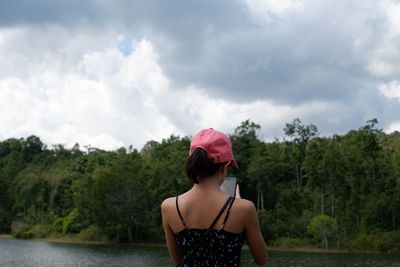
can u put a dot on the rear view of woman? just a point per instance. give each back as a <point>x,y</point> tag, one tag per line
<point>204,226</point>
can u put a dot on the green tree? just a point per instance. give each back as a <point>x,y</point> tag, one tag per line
<point>300,135</point>
<point>353,178</point>
<point>322,227</point>
<point>120,193</point>
<point>245,141</point>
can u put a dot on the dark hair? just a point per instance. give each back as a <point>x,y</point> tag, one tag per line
<point>198,165</point>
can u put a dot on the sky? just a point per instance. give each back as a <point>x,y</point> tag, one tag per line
<point>117,73</point>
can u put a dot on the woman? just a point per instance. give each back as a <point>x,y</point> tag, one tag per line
<point>204,226</point>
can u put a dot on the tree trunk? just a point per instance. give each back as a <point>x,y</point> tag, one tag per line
<point>130,234</point>
<point>262,200</point>
<point>298,177</point>
<point>326,242</point>
<point>332,196</point>
<point>332,201</point>
<point>322,202</point>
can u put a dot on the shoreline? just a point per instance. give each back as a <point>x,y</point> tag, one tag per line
<point>245,247</point>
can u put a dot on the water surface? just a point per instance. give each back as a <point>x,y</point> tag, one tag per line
<point>35,253</point>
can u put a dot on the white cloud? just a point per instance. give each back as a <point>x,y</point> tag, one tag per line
<point>194,109</point>
<point>263,9</point>
<point>316,60</point>
<point>394,126</point>
<point>393,11</point>
<point>105,99</point>
<point>381,69</point>
<point>383,61</point>
<point>101,98</point>
<point>390,90</point>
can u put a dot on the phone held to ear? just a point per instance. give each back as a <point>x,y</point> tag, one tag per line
<point>229,186</point>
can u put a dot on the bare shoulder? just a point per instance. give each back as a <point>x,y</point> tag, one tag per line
<point>244,205</point>
<point>242,210</point>
<point>245,208</point>
<point>167,204</point>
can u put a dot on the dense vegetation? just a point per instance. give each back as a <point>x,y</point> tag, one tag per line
<point>339,191</point>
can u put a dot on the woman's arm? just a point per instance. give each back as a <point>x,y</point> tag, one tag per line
<point>169,234</point>
<point>255,241</point>
<point>254,237</point>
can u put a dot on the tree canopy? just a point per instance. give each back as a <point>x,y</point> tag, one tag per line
<point>296,183</point>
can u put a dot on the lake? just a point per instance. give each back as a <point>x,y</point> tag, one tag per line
<point>35,253</point>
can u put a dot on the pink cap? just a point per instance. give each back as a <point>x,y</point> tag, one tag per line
<point>216,144</point>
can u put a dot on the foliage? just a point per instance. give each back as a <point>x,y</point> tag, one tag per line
<point>384,241</point>
<point>296,184</point>
<point>41,230</point>
<point>58,225</point>
<point>290,242</point>
<point>68,221</point>
<point>27,235</point>
<point>92,233</point>
<point>18,228</point>
<point>322,227</point>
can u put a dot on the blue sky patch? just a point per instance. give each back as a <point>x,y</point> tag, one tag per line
<point>125,45</point>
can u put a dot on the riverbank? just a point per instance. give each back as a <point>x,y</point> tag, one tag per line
<point>245,247</point>
<point>73,240</point>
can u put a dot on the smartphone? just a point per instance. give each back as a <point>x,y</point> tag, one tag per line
<point>229,186</point>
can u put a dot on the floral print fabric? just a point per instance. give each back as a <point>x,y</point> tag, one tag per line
<point>209,247</point>
<point>218,248</point>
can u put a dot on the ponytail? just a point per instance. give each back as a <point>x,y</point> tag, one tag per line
<point>198,165</point>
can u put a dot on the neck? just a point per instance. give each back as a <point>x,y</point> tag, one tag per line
<point>210,183</point>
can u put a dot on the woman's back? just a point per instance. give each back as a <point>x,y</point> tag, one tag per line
<point>199,208</point>
<point>211,245</point>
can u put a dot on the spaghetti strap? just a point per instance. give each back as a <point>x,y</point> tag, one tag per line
<point>179,213</point>
<point>221,211</point>
<point>228,202</point>
<point>227,213</point>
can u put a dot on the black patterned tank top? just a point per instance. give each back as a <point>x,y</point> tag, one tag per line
<point>209,247</point>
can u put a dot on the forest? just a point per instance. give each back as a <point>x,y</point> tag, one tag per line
<point>340,191</point>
